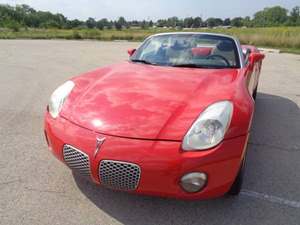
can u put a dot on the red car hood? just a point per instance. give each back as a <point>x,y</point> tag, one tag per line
<point>146,102</point>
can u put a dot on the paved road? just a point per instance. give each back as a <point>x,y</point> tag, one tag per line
<point>35,188</point>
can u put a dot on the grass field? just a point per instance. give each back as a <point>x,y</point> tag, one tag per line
<point>285,38</point>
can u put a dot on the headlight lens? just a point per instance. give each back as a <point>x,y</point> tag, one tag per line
<point>210,127</point>
<point>58,98</point>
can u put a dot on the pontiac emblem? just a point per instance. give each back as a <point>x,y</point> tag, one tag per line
<point>99,143</point>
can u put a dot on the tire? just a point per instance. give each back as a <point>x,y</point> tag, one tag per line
<point>254,93</point>
<point>238,182</point>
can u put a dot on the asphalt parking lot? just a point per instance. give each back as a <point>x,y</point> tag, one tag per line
<point>35,188</point>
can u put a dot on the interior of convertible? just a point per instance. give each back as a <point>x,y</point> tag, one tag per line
<point>194,49</point>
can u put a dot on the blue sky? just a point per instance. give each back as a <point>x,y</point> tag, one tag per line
<point>152,9</point>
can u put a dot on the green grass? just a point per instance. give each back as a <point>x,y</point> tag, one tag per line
<point>285,38</point>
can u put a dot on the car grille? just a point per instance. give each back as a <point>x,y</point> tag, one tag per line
<point>119,175</point>
<point>76,160</point>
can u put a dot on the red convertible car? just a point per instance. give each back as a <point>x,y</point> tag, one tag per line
<point>172,121</point>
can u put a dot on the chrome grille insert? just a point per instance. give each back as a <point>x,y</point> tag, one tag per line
<point>77,160</point>
<point>119,175</point>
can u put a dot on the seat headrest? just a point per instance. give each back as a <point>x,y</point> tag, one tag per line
<point>201,51</point>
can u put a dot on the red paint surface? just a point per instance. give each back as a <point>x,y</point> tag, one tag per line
<point>152,102</point>
<point>162,162</point>
<point>144,112</point>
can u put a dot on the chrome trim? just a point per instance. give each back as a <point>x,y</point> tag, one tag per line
<point>99,143</point>
<point>119,175</point>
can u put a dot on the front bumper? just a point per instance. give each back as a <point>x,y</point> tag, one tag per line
<point>162,163</point>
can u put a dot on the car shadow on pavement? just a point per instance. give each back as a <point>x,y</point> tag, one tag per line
<point>274,137</point>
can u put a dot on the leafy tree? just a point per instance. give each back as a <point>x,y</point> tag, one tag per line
<point>144,24</point>
<point>273,16</point>
<point>247,22</point>
<point>211,22</point>
<point>23,16</point>
<point>91,23</point>
<point>227,22</point>
<point>295,16</point>
<point>110,25</point>
<point>15,26</point>
<point>161,23</point>
<point>237,22</point>
<point>50,24</point>
<point>122,21</point>
<point>188,22</point>
<point>214,22</point>
<point>118,26</point>
<point>100,25</point>
<point>151,23</point>
<point>219,21</point>
<point>105,23</point>
<point>198,22</point>
<point>74,23</point>
<point>172,21</point>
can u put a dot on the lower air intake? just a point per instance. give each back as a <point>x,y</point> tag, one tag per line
<point>76,160</point>
<point>119,175</point>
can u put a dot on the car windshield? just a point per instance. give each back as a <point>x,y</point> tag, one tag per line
<point>188,50</point>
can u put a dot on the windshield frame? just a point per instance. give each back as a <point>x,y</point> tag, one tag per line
<point>237,46</point>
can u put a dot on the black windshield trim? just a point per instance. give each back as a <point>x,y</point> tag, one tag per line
<point>142,61</point>
<point>192,65</point>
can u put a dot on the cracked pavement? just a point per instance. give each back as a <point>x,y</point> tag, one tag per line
<point>35,188</point>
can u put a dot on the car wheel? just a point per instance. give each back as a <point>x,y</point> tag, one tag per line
<point>254,93</point>
<point>237,184</point>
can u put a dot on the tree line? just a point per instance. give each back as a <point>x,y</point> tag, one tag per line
<point>24,16</point>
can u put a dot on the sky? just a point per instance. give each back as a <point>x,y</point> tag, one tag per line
<point>152,9</point>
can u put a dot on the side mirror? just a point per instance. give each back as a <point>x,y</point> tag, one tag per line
<point>255,57</point>
<point>131,51</point>
<point>246,54</point>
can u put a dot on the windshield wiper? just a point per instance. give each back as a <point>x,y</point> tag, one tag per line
<point>193,65</point>
<point>142,61</point>
<point>190,65</point>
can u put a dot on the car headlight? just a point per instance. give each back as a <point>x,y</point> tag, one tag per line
<point>210,127</point>
<point>58,98</point>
